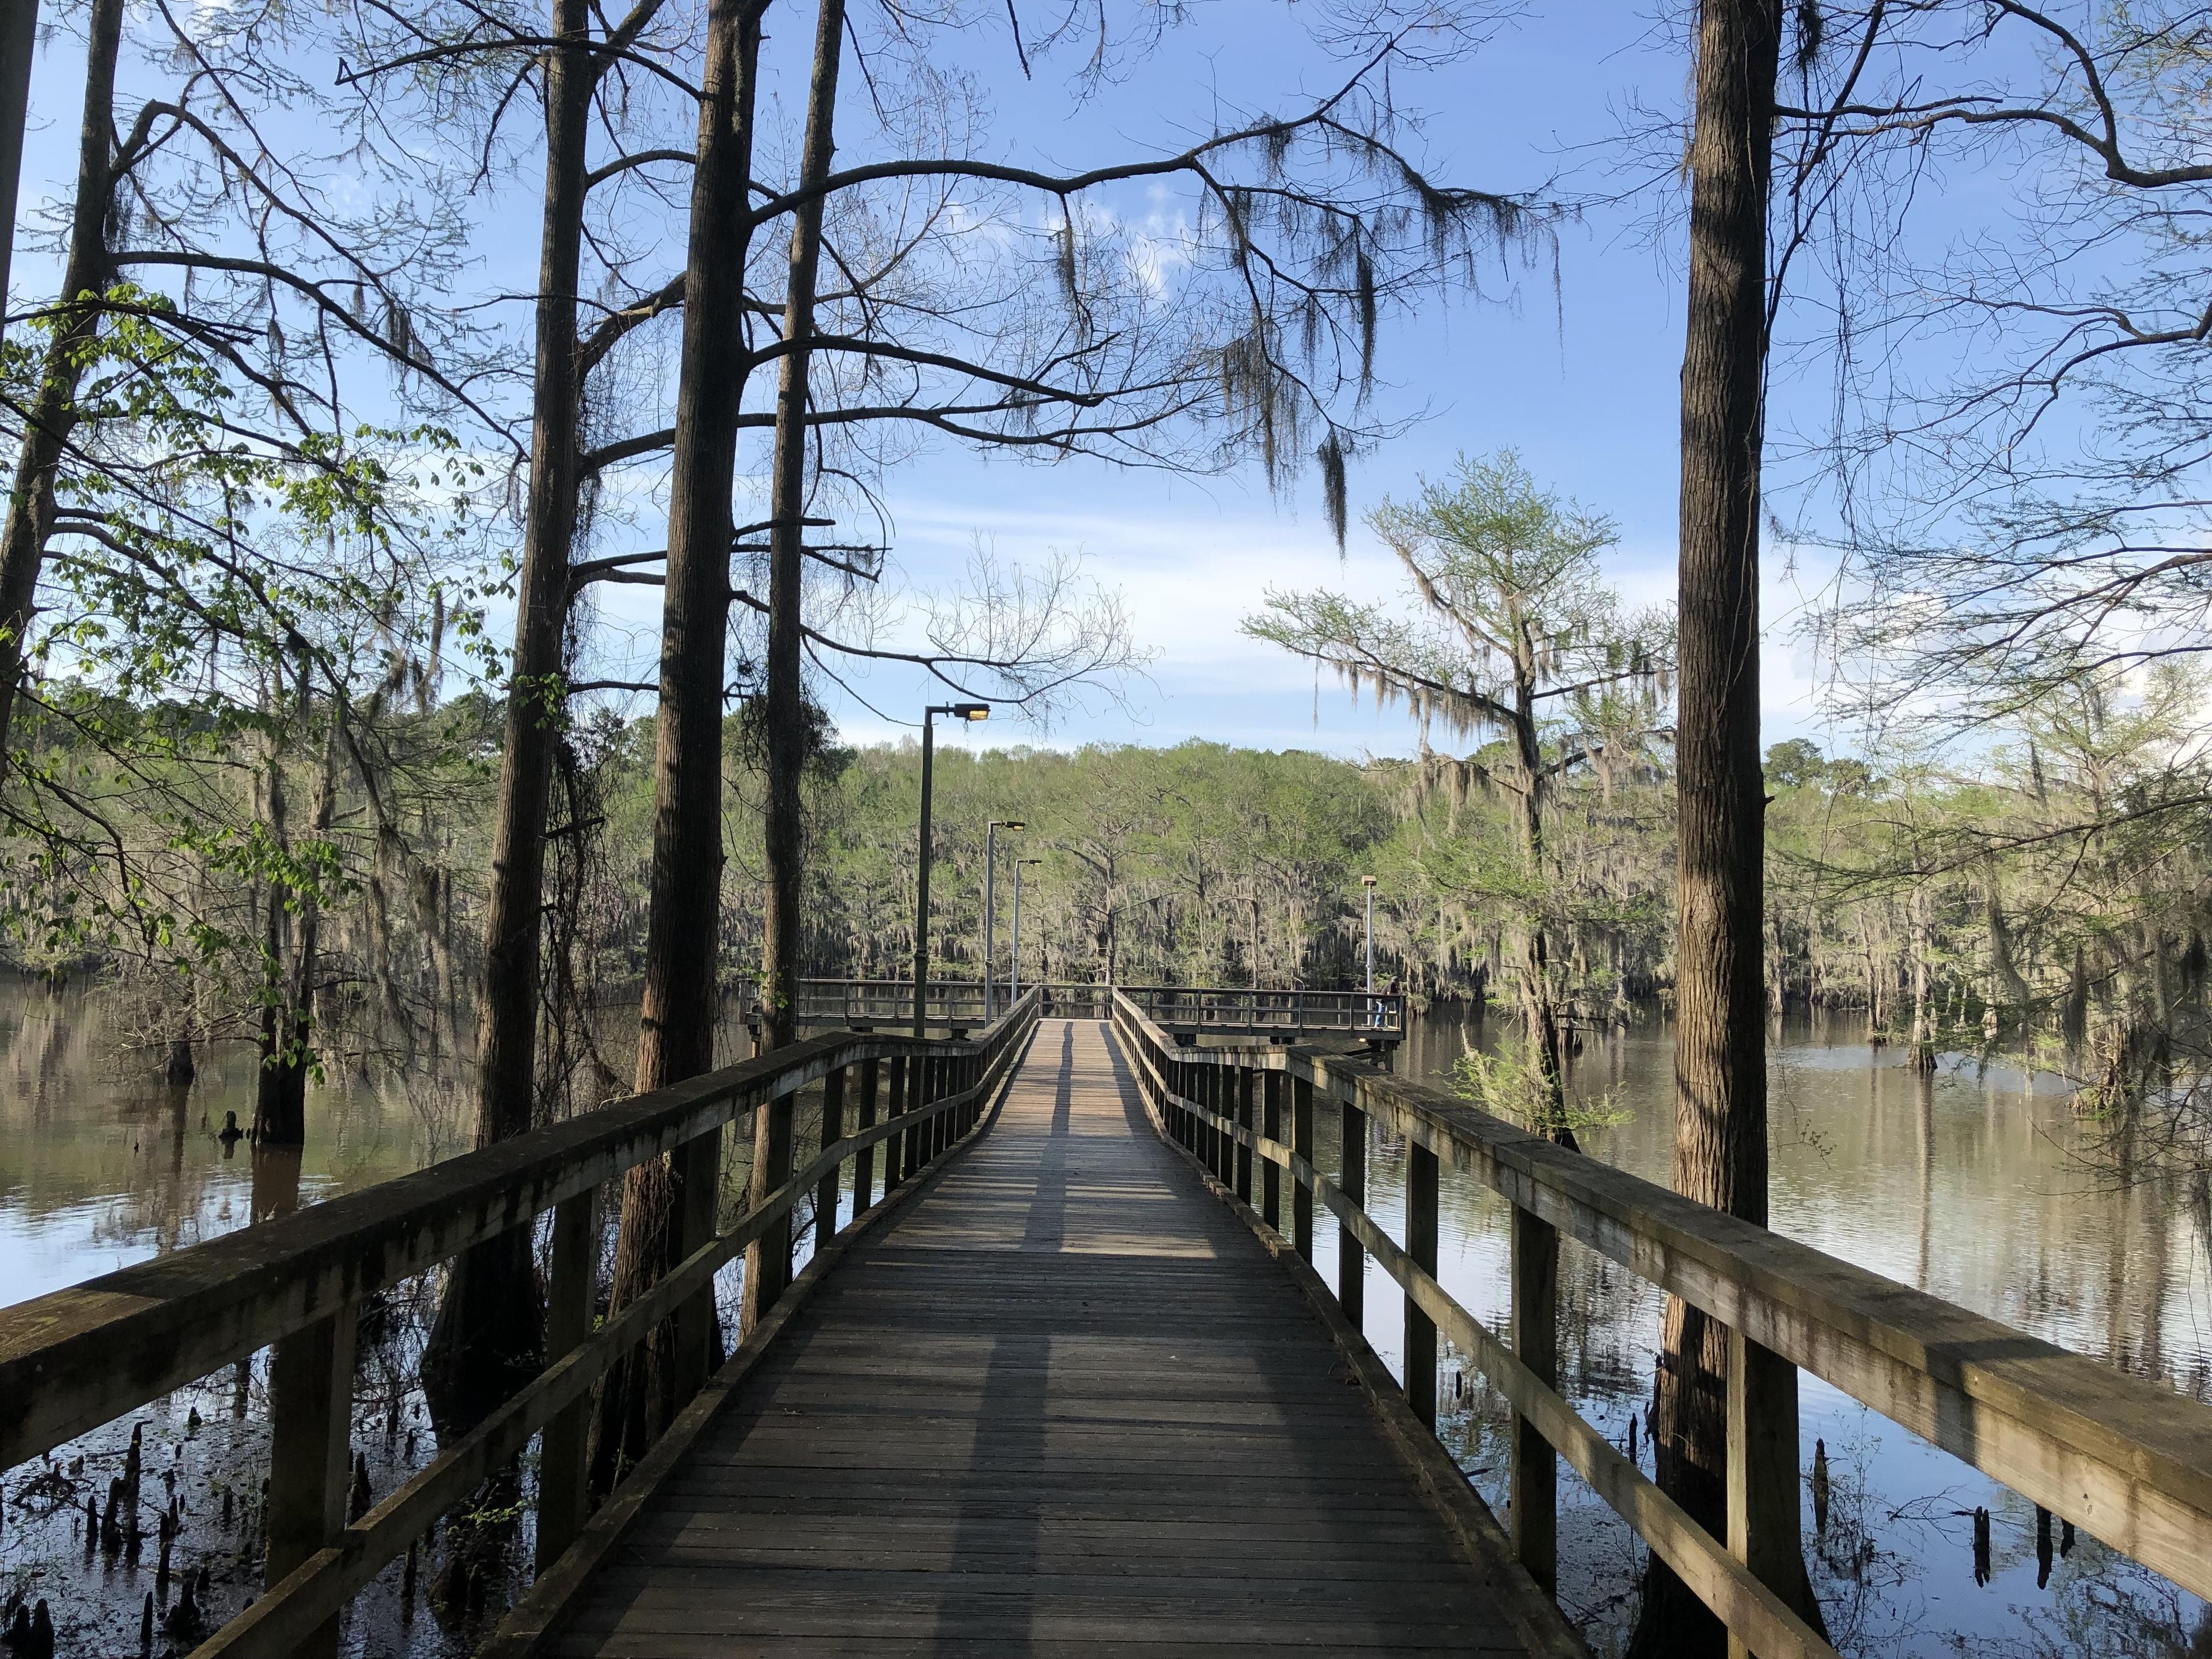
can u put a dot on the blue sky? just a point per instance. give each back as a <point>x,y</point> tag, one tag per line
<point>1581,379</point>
<point>1578,371</point>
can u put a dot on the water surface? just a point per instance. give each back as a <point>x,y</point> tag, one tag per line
<point>1977,1185</point>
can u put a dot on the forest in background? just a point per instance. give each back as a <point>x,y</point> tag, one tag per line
<point>1955,908</point>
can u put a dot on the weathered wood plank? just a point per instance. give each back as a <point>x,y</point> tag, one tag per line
<point>2125,1458</point>
<point>1067,1400</point>
<point>80,1357</point>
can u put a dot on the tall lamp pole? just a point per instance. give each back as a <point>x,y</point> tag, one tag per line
<point>1368,882</point>
<point>1014,965</point>
<point>990,899</point>
<point>963,711</point>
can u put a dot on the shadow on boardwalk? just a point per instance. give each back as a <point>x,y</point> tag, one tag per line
<point>1065,1405</point>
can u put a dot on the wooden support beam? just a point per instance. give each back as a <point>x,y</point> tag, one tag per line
<point>1271,1126</point>
<point>310,1453</point>
<point>1243,1080</point>
<point>901,1070</point>
<point>833,1131</point>
<point>1302,1144</point>
<point>1765,1527</point>
<point>1351,1259</point>
<point>864,1161</point>
<point>1534,1481</point>
<point>768,1261</point>
<point>563,1462</point>
<point>1421,1246</point>
<point>699,1189</point>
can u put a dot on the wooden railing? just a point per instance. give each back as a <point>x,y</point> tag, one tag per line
<point>1377,1016</point>
<point>888,1004</point>
<point>82,1356</point>
<point>2126,1460</point>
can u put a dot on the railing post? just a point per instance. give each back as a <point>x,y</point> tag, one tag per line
<point>1224,1144</point>
<point>917,1098</point>
<point>1421,1245</point>
<point>1302,1142</point>
<point>1242,1080</point>
<point>1534,1494</point>
<point>917,1101</point>
<point>832,1130</point>
<point>896,1066</point>
<point>1351,1259</point>
<point>768,1258</point>
<point>572,1300</point>
<point>864,1161</point>
<point>1209,1138</point>
<point>699,1184</point>
<point>951,1068</point>
<point>1271,1126</point>
<point>1764,1527</point>
<point>310,1451</point>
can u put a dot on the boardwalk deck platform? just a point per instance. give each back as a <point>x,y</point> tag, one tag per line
<point>1059,1393</point>
<point>1063,1403</point>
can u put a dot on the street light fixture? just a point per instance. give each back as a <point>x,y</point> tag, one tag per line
<point>1014,966</point>
<point>990,900</point>
<point>958,711</point>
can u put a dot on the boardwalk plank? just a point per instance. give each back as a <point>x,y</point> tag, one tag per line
<point>1065,1405</point>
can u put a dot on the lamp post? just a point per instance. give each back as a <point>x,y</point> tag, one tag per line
<point>964,711</point>
<point>1368,882</point>
<point>1014,965</point>
<point>990,899</point>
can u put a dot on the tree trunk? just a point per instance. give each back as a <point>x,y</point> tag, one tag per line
<point>1539,1013</point>
<point>293,943</point>
<point>19,35</point>
<point>30,522</point>
<point>489,1335</point>
<point>273,1124</point>
<point>675,1028</point>
<point>786,705</point>
<point>767,1262</point>
<point>1924,1030</point>
<point>1720,1058</point>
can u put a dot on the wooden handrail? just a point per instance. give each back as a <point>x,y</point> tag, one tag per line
<point>84,1356</point>
<point>1378,1014</point>
<point>2126,1459</point>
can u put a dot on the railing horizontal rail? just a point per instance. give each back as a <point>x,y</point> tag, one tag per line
<point>83,1356</point>
<point>298,1605</point>
<point>1234,1009</point>
<point>2127,1459</point>
<point>1371,1013</point>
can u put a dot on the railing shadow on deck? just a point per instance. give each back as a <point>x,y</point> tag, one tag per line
<point>80,1358</point>
<point>2128,1460</point>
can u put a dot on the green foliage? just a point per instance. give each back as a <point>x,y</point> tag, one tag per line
<point>1508,1087</point>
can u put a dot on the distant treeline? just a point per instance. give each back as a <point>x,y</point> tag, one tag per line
<point>1949,907</point>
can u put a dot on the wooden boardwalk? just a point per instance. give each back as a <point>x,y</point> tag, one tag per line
<point>1065,1404</point>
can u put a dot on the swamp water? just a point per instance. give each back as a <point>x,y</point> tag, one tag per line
<point>1977,1185</point>
<point>1972,1185</point>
